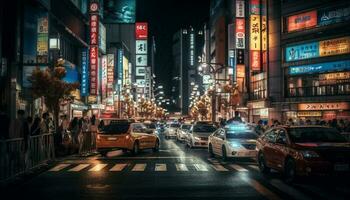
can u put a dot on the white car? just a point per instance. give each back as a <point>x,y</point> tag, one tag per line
<point>170,132</point>
<point>233,141</point>
<point>182,132</point>
<point>198,135</point>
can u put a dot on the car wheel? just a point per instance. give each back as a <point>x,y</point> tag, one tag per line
<point>289,171</point>
<point>156,146</point>
<point>211,153</point>
<point>262,164</point>
<point>136,148</point>
<point>224,154</point>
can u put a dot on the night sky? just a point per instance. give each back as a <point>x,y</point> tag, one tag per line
<point>165,17</point>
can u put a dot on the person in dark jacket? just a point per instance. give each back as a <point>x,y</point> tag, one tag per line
<point>35,128</point>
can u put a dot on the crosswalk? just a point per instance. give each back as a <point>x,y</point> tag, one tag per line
<point>155,167</point>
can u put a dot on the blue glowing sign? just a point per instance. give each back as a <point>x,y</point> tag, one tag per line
<point>333,15</point>
<point>119,69</point>
<point>320,67</point>
<point>303,51</point>
<point>84,90</point>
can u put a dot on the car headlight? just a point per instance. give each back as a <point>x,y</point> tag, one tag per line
<point>197,138</point>
<point>235,145</point>
<point>309,154</point>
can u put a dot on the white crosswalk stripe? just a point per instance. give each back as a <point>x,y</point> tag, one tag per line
<point>79,167</point>
<point>118,167</point>
<point>238,168</point>
<point>139,167</point>
<point>256,168</point>
<point>181,167</point>
<point>219,168</point>
<point>160,167</point>
<point>200,167</point>
<point>59,167</point>
<point>98,167</point>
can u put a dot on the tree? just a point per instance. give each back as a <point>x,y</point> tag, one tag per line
<point>49,84</point>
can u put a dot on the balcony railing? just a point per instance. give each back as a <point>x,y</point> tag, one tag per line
<point>327,90</point>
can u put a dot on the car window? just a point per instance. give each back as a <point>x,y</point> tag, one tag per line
<point>282,136</point>
<point>270,136</point>
<point>150,126</point>
<point>138,128</point>
<point>315,134</point>
<point>116,128</point>
<point>186,127</point>
<point>175,125</point>
<point>204,128</point>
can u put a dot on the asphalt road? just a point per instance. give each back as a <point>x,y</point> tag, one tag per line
<point>175,172</point>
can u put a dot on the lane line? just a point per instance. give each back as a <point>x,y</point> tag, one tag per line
<point>118,167</point>
<point>98,167</point>
<point>59,167</point>
<point>288,189</point>
<point>160,167</point>
<point>139,168</point>
<point>200,167</point>
<point>263,190</point>
<point>181,167</point>
<point>219,168</point>
<point>79,167</point>
<point>238,168</point>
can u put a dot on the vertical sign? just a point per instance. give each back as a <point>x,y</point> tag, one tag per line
<point>239,8</point>
<point>255,35</point>
<point>42,41</point>
<point>141,31</point>
<point>240,33</point>
<point>104,76</point>
<point>120,67</point>
<point>94,48</point>
<point>110,73</point>
<point>192,49</point>
<point>84,73</point>
<point>232,63</point>
<point>141,34</point>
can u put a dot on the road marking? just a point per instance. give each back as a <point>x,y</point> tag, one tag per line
<point>238,168</point>
<point>160,167</point>
<point>139,168</point>
<point>181,167</point>
<point>79,167</point>
<point>144,158</point>
<point>98,167</point>
<point>254,167</point>
<point>219,168</point>
<point>263,190</point>
<point>59,167</point>
<point>118,167</point>
<point>200,167</point>
<point>288,190</point>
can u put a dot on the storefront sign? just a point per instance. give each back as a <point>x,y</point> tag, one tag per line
<point>78,107</point>
<point>140,71</point>
<point>141,46</point>
<point>110,74</point>
<point>141,60</point>
<point>302,21</point>
<point>255,32</point>
<point>319,68</point>
<point>309,114</point>
<point>335,46</point>
<point>258,104</point>
<point>93,70</point>
<point>240,33</point>
<point>255,60</point>
<point>255,7</point>
<point>94,29</point>
<point>240,71</point>
<point>303,51</point>
<point>239,8</point>
<point>84,86</point>
<point>104,76</point>
<point>141,30</point>
<point>324,106</point>
<point>335,76</point>
<point>333,15</point>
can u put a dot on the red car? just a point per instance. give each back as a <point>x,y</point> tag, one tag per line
<point>303,150</point>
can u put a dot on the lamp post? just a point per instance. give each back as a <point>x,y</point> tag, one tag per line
<point>213,70</point>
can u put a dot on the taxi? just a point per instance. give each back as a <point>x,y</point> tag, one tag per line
<point>235,140</point>
<point>122,134</point>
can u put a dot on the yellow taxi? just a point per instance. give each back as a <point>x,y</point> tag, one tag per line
<point>122,134</point>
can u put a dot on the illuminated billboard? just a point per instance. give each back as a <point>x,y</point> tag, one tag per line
<point>320,67</point>
<point>302,21</point>
<point>303,51</point>
<point>119,11</point>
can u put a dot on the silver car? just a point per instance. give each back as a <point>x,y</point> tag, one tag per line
<point>198,135</point>
<point>182,132</point>
<point>170,132</point>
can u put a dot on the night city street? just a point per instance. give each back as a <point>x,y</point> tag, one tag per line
<point>175,99</point>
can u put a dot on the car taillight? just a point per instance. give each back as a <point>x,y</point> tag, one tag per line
<point>98,137</point>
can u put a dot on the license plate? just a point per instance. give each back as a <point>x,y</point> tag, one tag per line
<point>247,153</point>
<point>111,138</point>
<point>341,167</point>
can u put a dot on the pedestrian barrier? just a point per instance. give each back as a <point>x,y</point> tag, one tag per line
<point>87,143</point>
<point>18,155</point>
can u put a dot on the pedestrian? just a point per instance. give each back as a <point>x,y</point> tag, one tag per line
<point>308,122</point>
<point>301,122</point>
<point>35,128</point>
<point>259,128</point>
<point>44,124</point>
<point>74,129</point>
<point>30,122</point>
<point>4,124</point>
<point>101,125</point>
<point>64,123</point>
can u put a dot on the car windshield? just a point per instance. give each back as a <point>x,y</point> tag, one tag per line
<point>315,134</point>
<point>186,127</point>
<point>151,126</point>
<point>116,128</point>
<point>204,129</point>
<point>240,131</point>
<point>139,128</point>
<point>174,125</point>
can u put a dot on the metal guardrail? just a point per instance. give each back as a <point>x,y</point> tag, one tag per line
<point>87,143</point>
<point>18,155</point>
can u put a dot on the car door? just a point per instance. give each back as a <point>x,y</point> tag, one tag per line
<point>220,139</point>
<point>280,148</point>
<point>213,140</point>
<point>268,147</point>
